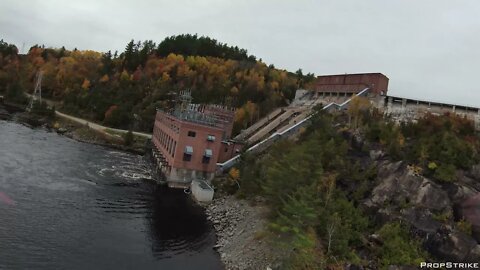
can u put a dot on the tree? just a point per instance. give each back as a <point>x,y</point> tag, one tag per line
<point>356,107</point>
<point>129,56</point>
<point>142,75</point>
<point>234,175</point>
<point>15,93</point>
<point>445,172</point>
<point>104,78</point>
<point>7,49</point>
<point>107,63</point>
<point>86,84</point>
<point>398,248</point>
<point>331,230</point>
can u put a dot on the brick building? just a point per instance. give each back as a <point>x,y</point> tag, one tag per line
<point>352,83</point>
<point>188,141</point>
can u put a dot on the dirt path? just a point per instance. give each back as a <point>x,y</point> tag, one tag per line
<point>98,127</point>
<point>92,125</point>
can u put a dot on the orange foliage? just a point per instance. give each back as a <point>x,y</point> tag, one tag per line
<point>110,110</point>
<point>104,78</point>
<point>86,84</point>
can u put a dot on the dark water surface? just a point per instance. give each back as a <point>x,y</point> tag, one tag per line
<point>70,205</point>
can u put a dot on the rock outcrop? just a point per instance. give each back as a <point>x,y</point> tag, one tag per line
<point>4,115</point>
<point>427,206</point>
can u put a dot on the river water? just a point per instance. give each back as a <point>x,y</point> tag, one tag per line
<point>71,205</point>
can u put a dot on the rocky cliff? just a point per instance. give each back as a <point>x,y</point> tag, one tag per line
<point>435,212</point>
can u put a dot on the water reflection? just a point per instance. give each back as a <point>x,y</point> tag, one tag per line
<point>177,225</point>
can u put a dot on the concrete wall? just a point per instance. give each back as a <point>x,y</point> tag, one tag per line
<point>181,178</point>
<point>403,109</point>
<point>201,191</point>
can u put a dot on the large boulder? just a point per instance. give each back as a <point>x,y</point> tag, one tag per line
<point>422,221</point>
<point>376,154</point>
<point>459,192</point>
<point>399,188</point>
<point>474,172</point>
<point>454,246</point>
<point>470,211</point>
<point>470,179</point>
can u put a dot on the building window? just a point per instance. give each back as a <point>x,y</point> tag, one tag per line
<point>169,145</point>
<point>226,149</point>
<point>187,154</point>
<point>192,134</point>
<point>206,156</point>
<point>210,138</point>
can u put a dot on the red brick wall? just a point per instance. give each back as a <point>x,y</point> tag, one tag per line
<point>229,150</point>
<point>199,144</point>
<point>166,135</point>
<point>352,82</point>
<point>170,136</point>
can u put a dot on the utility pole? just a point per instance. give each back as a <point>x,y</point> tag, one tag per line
<point>37,93</point>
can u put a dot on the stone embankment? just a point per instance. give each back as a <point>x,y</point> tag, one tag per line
<point>241,230</point>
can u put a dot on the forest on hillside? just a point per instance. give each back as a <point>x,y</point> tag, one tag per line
<point>124,89</point>
<point>357,189</point>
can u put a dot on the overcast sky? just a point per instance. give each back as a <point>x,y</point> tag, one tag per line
<point>429,49</point>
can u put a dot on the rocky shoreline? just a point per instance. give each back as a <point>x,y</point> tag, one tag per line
<point>240,226</point>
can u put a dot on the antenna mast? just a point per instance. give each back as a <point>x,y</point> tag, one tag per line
<point>37,93</point>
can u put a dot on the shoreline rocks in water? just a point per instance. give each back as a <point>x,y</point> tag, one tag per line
<point>240,229</point>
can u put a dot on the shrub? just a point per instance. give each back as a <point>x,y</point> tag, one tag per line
<point>128,138</point>
<point>398,247</point>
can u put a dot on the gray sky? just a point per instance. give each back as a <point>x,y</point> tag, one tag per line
<point>429,49</point>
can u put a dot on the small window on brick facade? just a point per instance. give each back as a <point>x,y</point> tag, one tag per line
<point>206,156</point>
<point>187,154</point>
<point>192,134</point>
<point>210,138</point>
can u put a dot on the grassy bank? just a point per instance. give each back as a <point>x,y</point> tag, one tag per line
<point>125,142</point>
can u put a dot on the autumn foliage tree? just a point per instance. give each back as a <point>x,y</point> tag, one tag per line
<point>357,108</point>
<point>143,77</point>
